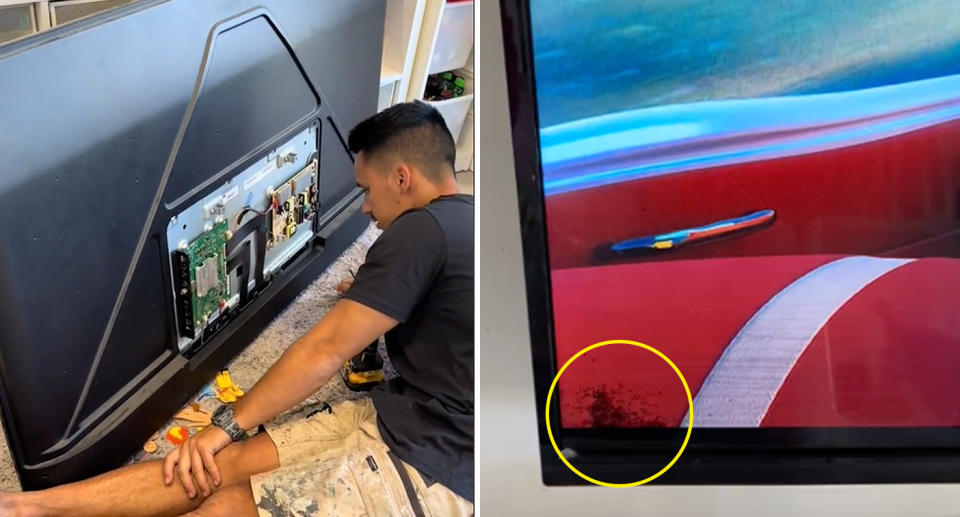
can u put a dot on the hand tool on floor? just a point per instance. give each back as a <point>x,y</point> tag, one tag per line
<point>365,370</point>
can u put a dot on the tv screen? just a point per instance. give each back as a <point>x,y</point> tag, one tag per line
<point>767,192</point>
<point>764,194</point>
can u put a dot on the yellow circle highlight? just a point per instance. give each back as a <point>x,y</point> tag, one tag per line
<point>686,388</point>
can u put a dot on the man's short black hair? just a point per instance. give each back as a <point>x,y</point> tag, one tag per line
<point>414,131</point>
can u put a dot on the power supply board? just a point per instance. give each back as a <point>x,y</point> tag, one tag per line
<point>236,237</point>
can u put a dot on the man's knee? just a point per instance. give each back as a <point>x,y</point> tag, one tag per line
<point>203,511</point>
<point>234,501</point>
<point>238,461</point>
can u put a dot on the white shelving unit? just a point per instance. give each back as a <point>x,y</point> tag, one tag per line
<point>21,18</point>
<point>465,141</point>
<point>65,11</point>
<point>401,32</point>
<point>446,44</point>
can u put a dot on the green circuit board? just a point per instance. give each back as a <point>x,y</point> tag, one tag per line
<point>208,273</point>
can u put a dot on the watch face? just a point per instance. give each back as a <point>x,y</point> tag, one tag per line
<point>223,416</point>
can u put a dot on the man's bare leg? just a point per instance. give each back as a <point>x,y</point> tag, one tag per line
<point>233,501</point>
<point>138,490</point>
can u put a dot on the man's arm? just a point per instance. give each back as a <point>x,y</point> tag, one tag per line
<point>312,361</point>
<point>304,368</point>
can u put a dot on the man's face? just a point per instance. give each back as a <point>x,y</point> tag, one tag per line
<point>382,195</point>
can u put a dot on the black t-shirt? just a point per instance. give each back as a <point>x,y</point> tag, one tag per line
<point>420,272</point>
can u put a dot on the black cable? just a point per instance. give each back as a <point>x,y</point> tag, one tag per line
<point>246,209</point>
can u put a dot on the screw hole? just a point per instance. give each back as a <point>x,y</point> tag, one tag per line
<point>184,227</point>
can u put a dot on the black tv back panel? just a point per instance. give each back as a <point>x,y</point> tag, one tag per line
<point>175,173</point>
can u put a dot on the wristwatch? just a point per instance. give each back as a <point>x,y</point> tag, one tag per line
<point>223,418</point>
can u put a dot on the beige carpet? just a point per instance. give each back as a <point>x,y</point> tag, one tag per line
<point>247,367</point>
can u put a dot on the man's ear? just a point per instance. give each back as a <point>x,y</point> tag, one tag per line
<point>403,177</point>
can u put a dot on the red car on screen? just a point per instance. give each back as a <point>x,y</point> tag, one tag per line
<point>796,257</point>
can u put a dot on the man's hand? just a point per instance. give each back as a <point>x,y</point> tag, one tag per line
<point>344,285</point>
<point>195,456</point>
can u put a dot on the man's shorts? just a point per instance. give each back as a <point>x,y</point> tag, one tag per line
<point>335,463</point>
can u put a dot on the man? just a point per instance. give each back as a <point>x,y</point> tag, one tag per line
<point>409,451</point>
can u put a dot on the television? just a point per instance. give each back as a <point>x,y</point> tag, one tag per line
<point>177,173</point>
<point>767,194</point>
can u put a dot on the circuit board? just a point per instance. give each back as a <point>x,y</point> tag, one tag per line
<point>291,204</point>
<point>262,217</point>
<point>203,283</point>
<point>208,276</point>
